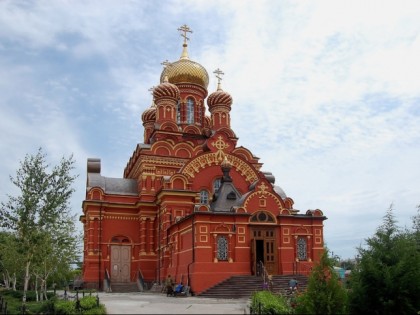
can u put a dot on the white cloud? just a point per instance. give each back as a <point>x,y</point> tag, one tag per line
<point>325,93</point>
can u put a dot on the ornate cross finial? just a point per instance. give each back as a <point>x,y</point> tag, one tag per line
<point>151,92</point>
<point>185,29</point>
<point>165,63</point>
<point>218,74</point>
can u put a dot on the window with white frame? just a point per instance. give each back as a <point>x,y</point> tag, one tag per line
<point>190,110</point>
<point>204,197</point>
<point>178,112</point>
<point>216,184</point>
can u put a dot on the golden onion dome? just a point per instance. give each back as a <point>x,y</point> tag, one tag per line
<point>185,70</point>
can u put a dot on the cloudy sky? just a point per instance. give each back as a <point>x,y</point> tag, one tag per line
<point>326,93</point>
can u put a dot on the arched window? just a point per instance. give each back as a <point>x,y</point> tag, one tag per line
<point>301,248</point>
<point>178,112</point>
<point>222,248</point>
<point>190,111</point>
<point>204,197</point>
<point>262,216</point>
<point>216,184</point>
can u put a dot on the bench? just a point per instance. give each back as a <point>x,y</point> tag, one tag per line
<point>184,292</point>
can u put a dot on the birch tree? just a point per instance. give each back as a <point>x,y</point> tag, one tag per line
<point>41,210</point>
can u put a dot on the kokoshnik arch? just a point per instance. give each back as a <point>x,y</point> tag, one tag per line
<point>191,203</point>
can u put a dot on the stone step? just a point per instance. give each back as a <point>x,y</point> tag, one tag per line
<point>124,287</point>
<point>244,286</point>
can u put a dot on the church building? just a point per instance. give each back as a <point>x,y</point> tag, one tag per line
<point>191,203</point>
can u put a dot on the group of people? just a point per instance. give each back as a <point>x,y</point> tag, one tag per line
<point>171,288</point>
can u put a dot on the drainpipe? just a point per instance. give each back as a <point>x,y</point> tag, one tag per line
<point>158,243</point>
<point>193,248</point>
<point>99,247</point>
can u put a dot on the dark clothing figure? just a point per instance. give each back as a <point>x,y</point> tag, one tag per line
<point>169,284</point>
<point>293,284</point>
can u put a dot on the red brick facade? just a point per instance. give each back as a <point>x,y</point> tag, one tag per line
<point>191,203</point>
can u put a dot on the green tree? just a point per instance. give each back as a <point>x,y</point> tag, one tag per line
<point>325,294</point>
<point>11,261</point>
<point>386,280</point>
<point>40,216</point>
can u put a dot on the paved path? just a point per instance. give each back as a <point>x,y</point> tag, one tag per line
<point>158,303</point>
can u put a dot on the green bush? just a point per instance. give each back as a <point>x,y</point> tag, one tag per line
<point>88,302</point>
<point>265,302</point>
<point>30,295</point>
<point>63,307</point>
<point>96,311</point>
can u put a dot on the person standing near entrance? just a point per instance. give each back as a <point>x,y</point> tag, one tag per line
<point>293,283</point>
<point>169,284</point>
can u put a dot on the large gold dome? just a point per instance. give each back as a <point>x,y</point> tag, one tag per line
<point>186,71</point>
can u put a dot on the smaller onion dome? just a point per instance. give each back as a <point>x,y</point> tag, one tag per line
<point>166,90</point>
<point>207,121</point>
<point>149,115</point>
<point>219,97</point>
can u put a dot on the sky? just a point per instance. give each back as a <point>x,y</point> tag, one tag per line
<point>325,93</point>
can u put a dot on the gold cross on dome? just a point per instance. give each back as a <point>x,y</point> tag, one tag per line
<point>218,74</point>
<point>165,63</point>
<point>185,29</point>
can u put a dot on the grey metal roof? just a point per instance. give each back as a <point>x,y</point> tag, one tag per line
<point>226,197</point>
<point>115,186</point>
<point>280,191</point>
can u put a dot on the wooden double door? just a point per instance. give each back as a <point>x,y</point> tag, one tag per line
<point>120,263</point>
<point>263,251</point>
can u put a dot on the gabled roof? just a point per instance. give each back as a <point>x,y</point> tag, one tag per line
<point>114,186</point>
<point>225,198</point>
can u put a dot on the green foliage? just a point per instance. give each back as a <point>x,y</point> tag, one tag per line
<point>265,302</point>
<point>18,294</point>
<point>386,280</point>
<point>325,293</point>
<point>40,218</point>
<point>88,302</point>
<point>101,310</point>
<point>63,307</point>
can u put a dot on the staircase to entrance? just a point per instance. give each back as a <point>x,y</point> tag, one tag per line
<point>124,287</point>
<point>243,286</point>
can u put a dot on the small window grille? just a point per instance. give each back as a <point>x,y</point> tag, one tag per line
<point>301,248</point>
<point>222,248</point>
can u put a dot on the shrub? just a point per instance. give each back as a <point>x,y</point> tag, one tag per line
<point>63,307</point>
<point>96,311</point>
<point>265,302</point>
<point>88,302</point>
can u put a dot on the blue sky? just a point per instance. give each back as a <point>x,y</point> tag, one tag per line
<point>326,93</point>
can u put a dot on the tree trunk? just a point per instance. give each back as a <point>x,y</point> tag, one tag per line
<point>36,288</point>
<point>14,280</point>
<point>26,281</point>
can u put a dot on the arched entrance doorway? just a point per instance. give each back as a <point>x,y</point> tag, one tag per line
<point>263,244</point>
<point>120,259</point>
